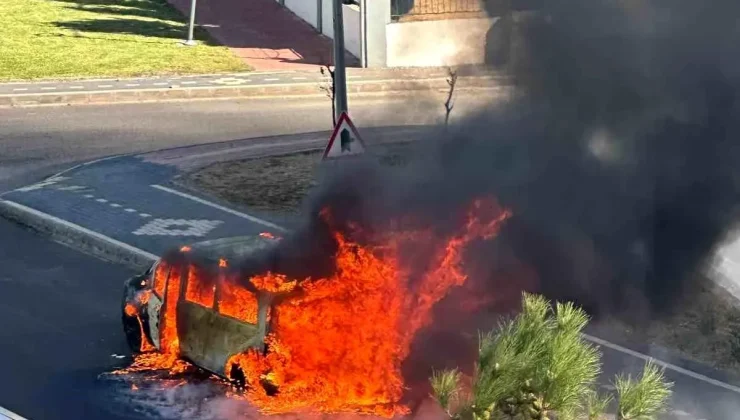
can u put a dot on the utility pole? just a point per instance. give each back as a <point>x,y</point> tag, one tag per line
<point>191,27</point>
<point>340,70</point>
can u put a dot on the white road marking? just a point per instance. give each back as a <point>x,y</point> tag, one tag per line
<point>145,215</point>
<point>177,227</point>
<point>300,78</point>
<point>73,188</point>
<point>10,415</point>
<point>19,89</point>
<point>663,364</point>
<point>101,200</point>
<point>76,87</point>
<point>272,79</point>
<point>160,84</point>
<point>222,208</point>
<point>189,83</point>
<point>115,205</point>
<point>49,88</point>
<point>130,210</point>
<point>133,84</point>
<point>43,184</point>
<point>105,86</point>
<point>80,229</point>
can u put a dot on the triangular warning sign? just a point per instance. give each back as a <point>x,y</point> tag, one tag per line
<point>349,140</point>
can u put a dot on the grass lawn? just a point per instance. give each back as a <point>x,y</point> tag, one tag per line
<point>50,39</point>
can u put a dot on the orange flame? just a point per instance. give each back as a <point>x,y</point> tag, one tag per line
<point>340,344</point>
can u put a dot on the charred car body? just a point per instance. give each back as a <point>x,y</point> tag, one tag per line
<point>189,303</point>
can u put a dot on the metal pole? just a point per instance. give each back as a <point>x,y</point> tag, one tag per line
<point>340,71</point>
<point>363,33</point>
<point>191,26</point>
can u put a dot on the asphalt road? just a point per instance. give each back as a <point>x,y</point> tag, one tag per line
<point>59,308</point>
<point>37,141</point>
<point>60,317</point>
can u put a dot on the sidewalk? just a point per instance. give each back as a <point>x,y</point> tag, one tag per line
<point>267,36</point>
<point>252,84</point>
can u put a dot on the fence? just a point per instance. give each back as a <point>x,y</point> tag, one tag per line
<point>435,9</point>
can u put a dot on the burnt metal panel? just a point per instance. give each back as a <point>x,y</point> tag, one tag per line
<point>209,339</point>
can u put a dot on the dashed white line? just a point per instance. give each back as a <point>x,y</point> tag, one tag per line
<point>105,86</point>
<point>72,188</point>
<point>300,78</point>
<point>76,87</point>
<point>130,210</point>
<point>101,200</point>
<point>20,89</point>
<point>49,88</point>
<point>189,83</point>
<point>160,84</point>
<point>145,215</point>
<point>272,79</point>
<point>115,205</point>
<point>133,84</point>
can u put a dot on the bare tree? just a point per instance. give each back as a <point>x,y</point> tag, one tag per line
<point>450,103</point>
<point>329,88</point>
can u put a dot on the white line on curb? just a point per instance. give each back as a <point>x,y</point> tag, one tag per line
<point>10,415</point>
<point>80,229</point>
<point>658,362</point>
<point>222,208</point>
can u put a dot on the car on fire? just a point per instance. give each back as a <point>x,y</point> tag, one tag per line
<point>186,300</point>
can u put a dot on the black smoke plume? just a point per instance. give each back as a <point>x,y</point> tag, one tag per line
<point>619,155</point>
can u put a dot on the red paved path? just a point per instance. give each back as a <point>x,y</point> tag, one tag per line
<point>267,36</point>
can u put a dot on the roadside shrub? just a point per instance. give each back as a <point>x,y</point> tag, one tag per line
<point>538,366</point>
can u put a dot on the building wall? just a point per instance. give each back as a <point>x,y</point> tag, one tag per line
<point>437,42</point>
<point>304,9</point>
<point>425,43</point>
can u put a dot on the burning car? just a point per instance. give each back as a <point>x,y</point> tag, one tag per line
<point>186,305</point>
<point>327,341</point>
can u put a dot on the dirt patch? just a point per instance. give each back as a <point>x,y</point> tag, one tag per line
<point>277,183</point>
<point>706,329</point>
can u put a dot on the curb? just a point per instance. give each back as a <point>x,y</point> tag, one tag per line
<point>76,236</point>
<point>387,86</point>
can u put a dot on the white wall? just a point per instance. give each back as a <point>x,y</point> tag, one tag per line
<point>437,42</point>
<point>352,34</point>
<point>304,9</point>
<point>352,29</point>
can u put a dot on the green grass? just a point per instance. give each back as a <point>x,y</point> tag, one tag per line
<point>45,39</point>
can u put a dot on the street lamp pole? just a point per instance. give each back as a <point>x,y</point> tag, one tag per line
<point>340,70</point>
<point>191,26</point>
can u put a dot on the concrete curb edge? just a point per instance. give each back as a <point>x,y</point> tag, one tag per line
<point>383,87</point>
<point>76,236</point>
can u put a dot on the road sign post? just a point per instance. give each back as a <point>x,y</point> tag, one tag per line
<point>340,69</point>
<point>191,26</point>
